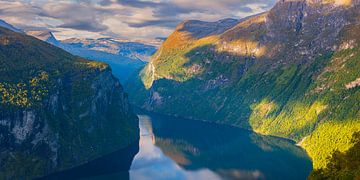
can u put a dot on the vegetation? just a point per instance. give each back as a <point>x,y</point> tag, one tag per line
<point>343,165</point>
<point>25,95</point>
<point>275,94</point>
<point>56,110</point>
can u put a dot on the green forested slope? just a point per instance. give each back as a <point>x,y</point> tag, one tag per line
<point>57,110</point>
<point>278,73</point>
<point>343,165</point>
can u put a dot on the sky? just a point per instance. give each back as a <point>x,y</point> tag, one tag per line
<point>126,19</point>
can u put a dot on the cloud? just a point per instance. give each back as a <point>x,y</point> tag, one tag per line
<point>138,4</point>
<point>132,19</point>
<point>79,16</point>
<point>161,23</point>
<point>84,25</point>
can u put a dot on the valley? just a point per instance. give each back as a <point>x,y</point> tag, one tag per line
<point>268,95</point>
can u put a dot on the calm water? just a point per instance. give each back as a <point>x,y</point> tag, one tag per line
<point>175,149</point>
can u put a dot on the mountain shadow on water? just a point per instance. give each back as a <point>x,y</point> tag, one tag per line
<point>114,165</point>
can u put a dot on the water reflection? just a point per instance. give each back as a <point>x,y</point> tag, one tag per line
<point>176,149</point>
<point>112,166</point>
<point>151,163</point>
<point>172,148</point>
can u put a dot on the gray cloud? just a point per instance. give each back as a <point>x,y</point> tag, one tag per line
<point>161,9</point>
<point>245,9</point>
<point>105,2</point>
<point>161,23</point>
<point>77,16</point>
<point>84,25</point>
<point>123,18</point>
<point>138,4</point>
<point>169,10</point>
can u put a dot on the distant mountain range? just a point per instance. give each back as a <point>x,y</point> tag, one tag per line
<point>123,56</point>
<point>292,72</point>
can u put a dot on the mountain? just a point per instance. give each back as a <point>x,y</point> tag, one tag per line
<point>57,110</point>
<point>132,50</point>
<point>9,26</point>
<point>291,72</point>
<point>124,57</point>
<point>200,29</point>
<point>46,36</point>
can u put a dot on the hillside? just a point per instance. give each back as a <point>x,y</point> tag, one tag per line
<point>57,110</point>
<point>123,57</point>
<point>291,72</point>
<point>344,165</point>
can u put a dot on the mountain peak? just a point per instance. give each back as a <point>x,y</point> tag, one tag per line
<point>335,3</point>
<point>201,29</point>
<point>44,35</point>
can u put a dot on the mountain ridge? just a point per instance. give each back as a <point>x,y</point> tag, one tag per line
<point>199,29</point>
<point>6,25</point>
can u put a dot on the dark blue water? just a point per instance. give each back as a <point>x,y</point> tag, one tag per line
<point>175,149</point>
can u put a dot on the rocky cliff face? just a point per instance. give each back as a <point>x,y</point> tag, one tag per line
<point>57,111</point>
<point>285,72</point>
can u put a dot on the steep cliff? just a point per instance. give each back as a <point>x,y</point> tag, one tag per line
<point>57,110</point>
<point>291,72</point>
